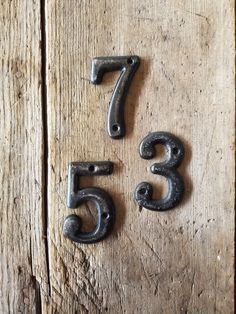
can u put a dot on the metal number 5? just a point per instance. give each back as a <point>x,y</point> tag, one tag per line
<point>101,199</point>
<point>128,65</point>
<point>175,154</point>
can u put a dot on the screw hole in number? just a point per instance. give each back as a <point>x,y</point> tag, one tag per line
<point>175,150</point>
<point>130,61</point>
<point>91,168</point>
<point>105,215</point>
<point>142,191</point>
<point>115,127</point>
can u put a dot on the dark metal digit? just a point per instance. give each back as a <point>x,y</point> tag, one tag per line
<point>175,155</point>
<point>101,199</point>
<point>128,65</point>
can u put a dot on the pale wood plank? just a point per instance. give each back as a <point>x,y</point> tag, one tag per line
<point>23,272</point>
<point>180,261</point>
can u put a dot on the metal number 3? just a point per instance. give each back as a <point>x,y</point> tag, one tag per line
<point>175,154</point>
<point>128,65</point>
<point>101,199</point>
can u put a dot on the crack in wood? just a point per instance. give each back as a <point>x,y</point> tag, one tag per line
<point>45,132</point>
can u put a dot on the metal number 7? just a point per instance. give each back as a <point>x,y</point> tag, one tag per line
<point>128,65</point>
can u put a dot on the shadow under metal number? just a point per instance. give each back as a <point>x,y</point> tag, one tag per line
<point>101,199</point>
<point>175,155</point>
<point>128,65</point>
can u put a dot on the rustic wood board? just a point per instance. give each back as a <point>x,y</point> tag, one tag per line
<point>179,261</point>
<point>172,262</point>
<point>23,271</point>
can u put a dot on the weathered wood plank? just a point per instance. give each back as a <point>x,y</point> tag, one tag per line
<point>23,275</point>
<point>179,261</point>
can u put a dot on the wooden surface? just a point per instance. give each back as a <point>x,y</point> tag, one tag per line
<point>23,271</point>
<point>180,261</point>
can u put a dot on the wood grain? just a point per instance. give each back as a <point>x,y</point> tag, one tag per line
<point>180,261</point>
<point>23,271</point>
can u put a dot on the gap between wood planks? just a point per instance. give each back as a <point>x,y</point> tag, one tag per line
<point>45,138</point>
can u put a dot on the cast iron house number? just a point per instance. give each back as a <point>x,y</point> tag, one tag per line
<point>127,65</point>
<point>101,199</point>
<point>76,196</point>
